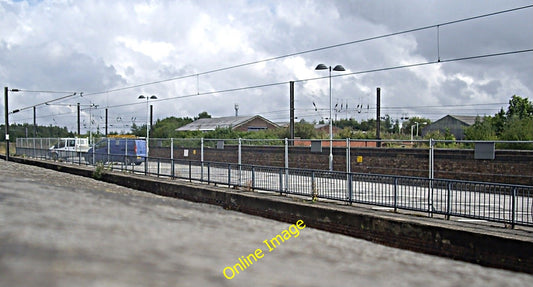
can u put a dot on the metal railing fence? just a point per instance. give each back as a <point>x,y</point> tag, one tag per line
<point>503,203</point>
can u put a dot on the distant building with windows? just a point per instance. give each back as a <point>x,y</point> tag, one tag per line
<point>454,124</point>
<point>239,123</point>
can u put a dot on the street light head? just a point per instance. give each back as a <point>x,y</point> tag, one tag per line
<point>338,68</point>
<point>15,90</point>
<point>141,97</point>
<point>153,97</point>
<point>321,67</point>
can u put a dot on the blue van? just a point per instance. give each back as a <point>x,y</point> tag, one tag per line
<point>128,151</point>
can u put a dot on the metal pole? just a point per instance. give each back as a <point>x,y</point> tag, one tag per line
<point>78,119</point>
<point>348,159</point>
<point>240,162</point>
<point>330,126</point>
<point>291,125</point>
<point>348,171</point>
<point>34,122</point>
<point>106,122</point>
<point>286,164</point>
<point>151,116</point>
<point>6,121</point>
<point>172,167</point>
<point>202,159</point>
<point>378,116</point>
<point>147,130</point>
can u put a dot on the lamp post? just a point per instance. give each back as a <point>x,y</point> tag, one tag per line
<point>339,68</point>
<point>6,91</point>
<point>152,97</point>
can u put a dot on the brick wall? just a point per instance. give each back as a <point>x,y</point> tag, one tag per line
<point>514,167</point>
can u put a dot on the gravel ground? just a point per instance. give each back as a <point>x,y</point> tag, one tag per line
<point>58,229</point>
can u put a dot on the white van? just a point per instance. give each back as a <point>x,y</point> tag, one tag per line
<point>69,147</point>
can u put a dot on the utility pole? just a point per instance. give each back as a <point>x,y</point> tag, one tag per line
<point>106,122</point>
<point>151,116</point>
<point>6,111</point>
<point>34,122</point>
<point>78,119</point>
<point>378,116</point>
<point>6,122</point>
<point>291,124</point>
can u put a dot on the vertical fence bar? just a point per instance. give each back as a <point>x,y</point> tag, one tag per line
<point>286,164</point>
<point>94,158</point>
<point>208,173</point>
<point>314,187</point>
<point>513,208</point>
<point>240,162</point>
<point>126,159</point>
<point>281,181</point>
<point>348,172</point>
<point>146,157</point>
<point>190,170</point>
<point>395,194</point>
<point>202,159</point>
<point>108,149</point>
<point>350,188</point>
<point>229,174</point>
<point>158,166</point>
<point>448,200</point>
<point>430,187</point>
<point>172,158</point>
<point>253,178</point>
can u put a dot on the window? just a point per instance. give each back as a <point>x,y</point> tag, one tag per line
<point>255,129</point>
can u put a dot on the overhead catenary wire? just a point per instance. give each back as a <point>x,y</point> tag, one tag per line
<point>438,60</point>
<point>442,61</point>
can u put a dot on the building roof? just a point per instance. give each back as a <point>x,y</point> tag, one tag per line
<point>210,124</point>
<point>468,120</point>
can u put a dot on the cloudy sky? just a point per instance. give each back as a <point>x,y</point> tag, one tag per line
<point>209,55</point>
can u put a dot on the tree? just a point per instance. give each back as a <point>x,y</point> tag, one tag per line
<point>520,107</point>
<point>202,115</point>
<point>304,130</point>
<point>166,128</point>
<point>422,122</point>
<point>498,122</point>
<point>482,129</point>
<point>139,131</point>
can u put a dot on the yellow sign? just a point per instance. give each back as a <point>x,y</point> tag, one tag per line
<point>359,159</point>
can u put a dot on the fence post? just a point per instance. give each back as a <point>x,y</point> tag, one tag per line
<point>350,188</point>
<point>431,159</point>
<point>252,185</point>
<point>286,164</point>
<point>108,150</point>
<point>158,166</point>
<point>202,159</point>
<point>348,171</point>
<point>240,162</point>
<point>430,176</point>
<point>172,157</point>
<point>395,194</point>
<point>190,170</point>
<point>146,165</point>
<point>513,208</point>
<point>229,175</point>
<point>126,159</point>
<point>208,173</point>
<point>449,201</point>
<point>281,181</point>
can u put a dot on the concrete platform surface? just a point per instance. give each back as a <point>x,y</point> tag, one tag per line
<point>58,229</point>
